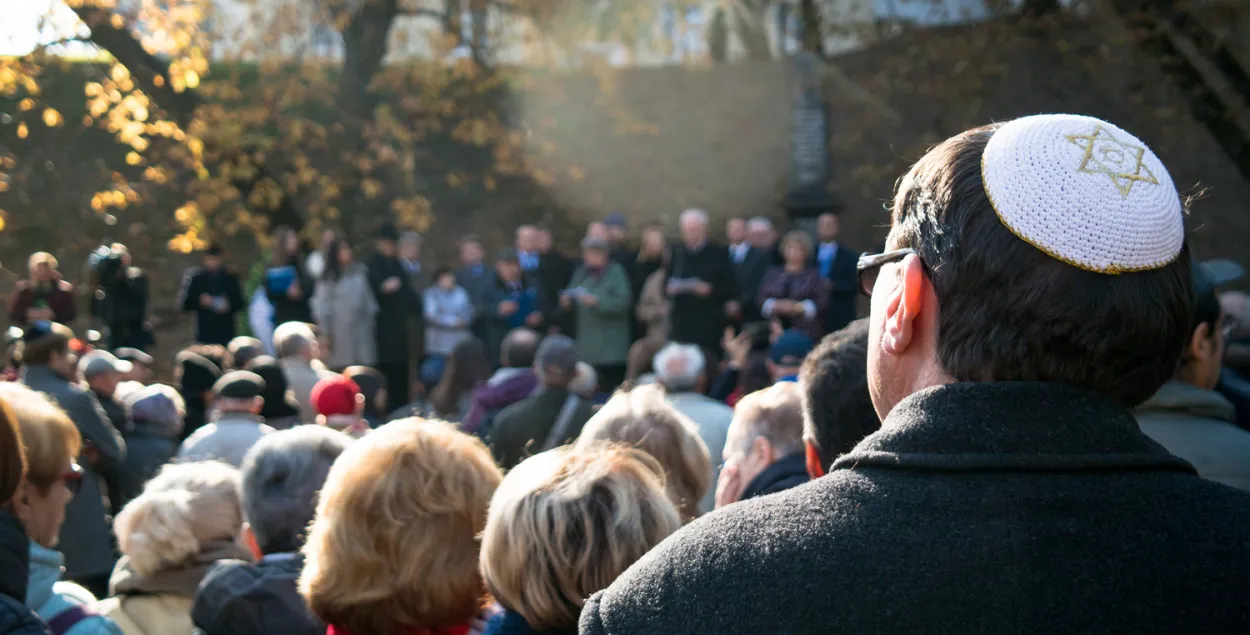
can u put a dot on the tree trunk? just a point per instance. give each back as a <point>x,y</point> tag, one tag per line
<point>364,45</point>
<point>811,22</point>
<point>718,37</point>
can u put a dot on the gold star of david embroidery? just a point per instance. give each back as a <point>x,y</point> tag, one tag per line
<point>1119,161</point>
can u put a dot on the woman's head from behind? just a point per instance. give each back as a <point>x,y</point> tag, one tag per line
<point>182,510</point>
<point>642,418</point>
<point>51,444</point>
<point>373,386</point>
<point>394,545</point>
<point>467,365</point>
<point>565,523</point>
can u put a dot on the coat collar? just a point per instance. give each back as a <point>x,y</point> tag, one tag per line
<point>14,557</point>
<point>1180,398</point>
<point>1011,426</point>
<point>790,471</point>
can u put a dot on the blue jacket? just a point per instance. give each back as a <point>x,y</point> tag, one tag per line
<point>48,596</point>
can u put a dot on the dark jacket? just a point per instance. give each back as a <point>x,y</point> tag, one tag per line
<point>978,508</point>
<point>510,623</point>
<point>750,275</point>
<point>149,446</point>
<point>506,387</point>
<point>240,598</point>
<point>530,297</point>
<point>58,296</point>
<point>116,478</point>
<point>122,305</point>
<point>86,534</point>
<point>15,617</point>
<point>521,429</point>
<point>286,309</point>
<point>789,472</point>
<point>212,327</point>
<point>479,283</point>
<point>553,276</point>
<point>394,309</point>
<point>694,319</point>
<point>843,285</point>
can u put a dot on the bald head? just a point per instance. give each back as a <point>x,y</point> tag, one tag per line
<point>519,348</point>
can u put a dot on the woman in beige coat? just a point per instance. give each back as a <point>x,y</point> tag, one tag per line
<point>186,520</point>
<point>346,310</point>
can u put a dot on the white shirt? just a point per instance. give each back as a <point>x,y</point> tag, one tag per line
<point>828,251</point>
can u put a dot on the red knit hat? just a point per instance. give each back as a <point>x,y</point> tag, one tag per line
<point>336,395</point>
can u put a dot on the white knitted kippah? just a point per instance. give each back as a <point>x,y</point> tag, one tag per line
<point>1085,192</point>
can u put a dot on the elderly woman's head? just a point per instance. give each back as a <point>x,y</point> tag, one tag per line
<point>51,445</point>
<point>394,545</point>
<point>643,418</point>
<point>565,523</point>
<point>158,406</point>
<point>186,509</point>
<point>282,476</point>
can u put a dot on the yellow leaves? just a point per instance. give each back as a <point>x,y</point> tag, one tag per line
<point>98,107</point>
<point>183,243</point>
<point>489,183</point>
<point>159,80</point>
<point>25,104</point>
<point>93,89</point>
<point>1,220</point>
<point>52,118</point>
<point>371,187</point>
<point>196,147</point>
<point>454,180</point>
<point>577,173</point>
<point>133,158</point>
<point>191,79</point>
<point>413,212</point>
<point>117,22</point>
<point>22,130</point>
<point>119,72</point>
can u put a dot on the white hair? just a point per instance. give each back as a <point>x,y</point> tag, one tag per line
<point>696,215</point>
<point>679,366</point>
<point>292,338</point>
<point>759,222</point>
<point>585,380</point>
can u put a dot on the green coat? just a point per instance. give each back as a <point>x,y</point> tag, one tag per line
<point>603,330</point>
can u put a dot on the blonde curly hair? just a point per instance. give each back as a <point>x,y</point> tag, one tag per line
<point>181,509</point>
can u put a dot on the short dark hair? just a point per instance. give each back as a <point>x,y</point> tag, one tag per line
<point>443,271</point>
<point>519,348</point>
<point>1010,312</point>
<point>243,350</point>
<point>837,407</point>
<point>215,353</point>
<point>41,342</point>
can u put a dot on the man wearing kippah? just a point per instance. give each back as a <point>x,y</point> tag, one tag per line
<point>1035,287</point>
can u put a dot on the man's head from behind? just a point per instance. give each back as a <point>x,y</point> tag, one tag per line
<point>679,367</point>
<point>786,355</point>
<point>556,361</point>
<point>767,427</point>
<point>239,392</point>
<point>837,408</point>
<point>47,344</point>
<point>1051,267</point>
<point>244,349</point>
<point>282,475</point>
<point>295,340</point>
<point>1203,354</point>
<point>519,348</point>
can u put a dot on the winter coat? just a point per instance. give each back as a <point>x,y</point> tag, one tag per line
<point>521,429</point>
<point>212,326</point>
<point>346,311</point>
<point>979,507</point>
<point>479,282</point>
<point>712,418</point>
<point>149,446</point>
<point>750,272</point>
<point>227,438</point>
<point>241,598</point>
<point>15,617</point>
<point>842,282</point>
<point>1197,425</point>
<point>653,306</point>
<point>529,298</point>
<point>86,535</point>
<point>48,596</point>
<point>804,287</point>
<point>393,309</point>
<point>58,296</point>
<point>603,330</point>
<point>506,387</point>
<point>160,603</point>
<point>448,316</point>
<point>701,320</point>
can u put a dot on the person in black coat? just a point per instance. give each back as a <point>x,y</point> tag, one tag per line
<point>396,301</point>
<point>750,265</point>
<point>702,285</point>
<point>477,278</point>
<point>1009,489</point>
<point>288,285</point>
<point>553,274</point>
<point>836,263</point>
<point>213,293</point>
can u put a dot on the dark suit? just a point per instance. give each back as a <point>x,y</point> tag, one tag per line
<point>843,280</point>
<point>211,327</point>
<point>1023,508</point>
<point>521,429</point>
<point>553,274</point>
<point>750,272</point>
<point>479,282</point>
<point>391,328</point>
<point>701,320</point>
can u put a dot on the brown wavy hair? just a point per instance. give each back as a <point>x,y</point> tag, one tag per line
<point>395,541</point>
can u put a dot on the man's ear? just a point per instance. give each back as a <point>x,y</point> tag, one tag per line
<point>903,306</point>
<point>258,404</point>
<point>765,448</point>
<point>815,469</point>
<point>1201,344</point>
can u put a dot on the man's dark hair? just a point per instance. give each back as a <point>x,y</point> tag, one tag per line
<point>519,348</point>
<point>215,353</point>
<point>243,350</point>
<point>837,407</point>
<point>1010,312</point>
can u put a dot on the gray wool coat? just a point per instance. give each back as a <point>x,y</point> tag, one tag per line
<point>1004,508</point>
<point>346,311</point>
<point>86,534</point>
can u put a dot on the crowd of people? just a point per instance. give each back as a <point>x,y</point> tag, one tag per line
<point>1041,426</point>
